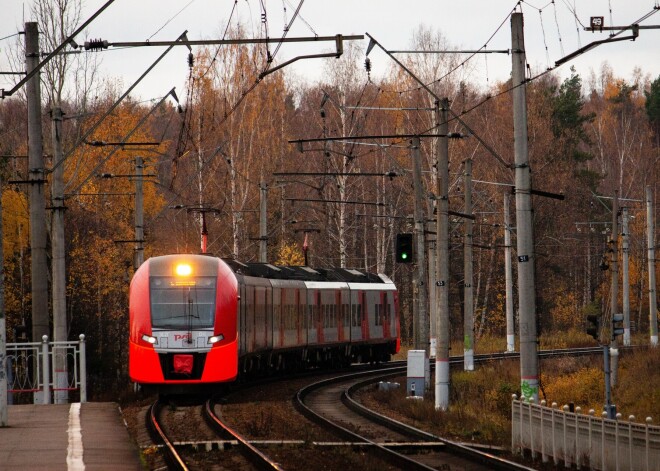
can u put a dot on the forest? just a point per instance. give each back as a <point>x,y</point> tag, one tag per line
<point>226,143</point>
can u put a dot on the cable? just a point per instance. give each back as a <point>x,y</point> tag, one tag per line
<point>561,45</point>
<point>168,21</point>
<point>304,21</point>
<point>466,60</point>
<point>545,43</point>
<point>288,25</point>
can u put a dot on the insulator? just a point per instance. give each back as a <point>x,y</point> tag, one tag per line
<point>191,59</point>
<point>96,44</point>
<point>367,64</point>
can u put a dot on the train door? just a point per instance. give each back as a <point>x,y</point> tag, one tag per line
<point>376,314</point>
<point>260,322</point>
<point>393,306</point>
<point>301,322</point>
<point>329,320</point>
<point>356,316</point>
<point>313,316</point>
<point>340,316</point>
<point>345,322</point>
<point>248,317</point>
<point>240,313</point>
<point>365,319</point>
<point>385,314</point>
<point>279,315</point>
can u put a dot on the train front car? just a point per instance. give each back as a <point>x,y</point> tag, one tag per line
<point>182,311</point>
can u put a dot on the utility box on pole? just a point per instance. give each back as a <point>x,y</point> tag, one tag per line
<point>418,373</point>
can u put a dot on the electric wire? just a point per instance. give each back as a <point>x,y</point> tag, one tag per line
<point>545,43</point>
<point>561,44</point>
<point>170,20</point>
<point>288,25</point>
<point>470,57</point>
<point>304,21</point>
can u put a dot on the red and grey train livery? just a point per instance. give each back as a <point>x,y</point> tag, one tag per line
<point>199,319</point>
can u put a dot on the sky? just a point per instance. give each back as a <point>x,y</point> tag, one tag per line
<point>553,29</point>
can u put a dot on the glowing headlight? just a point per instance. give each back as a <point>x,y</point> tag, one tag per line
<point>149,339</point>
<point>183,269</point>
<point>216,338</point>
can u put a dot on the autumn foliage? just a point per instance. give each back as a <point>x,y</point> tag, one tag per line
<point>588,136</point>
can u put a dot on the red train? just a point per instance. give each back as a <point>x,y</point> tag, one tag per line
<point>198,319</point>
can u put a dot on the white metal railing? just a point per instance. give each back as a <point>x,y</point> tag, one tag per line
<point>583,440</point>
<point>31,368</point>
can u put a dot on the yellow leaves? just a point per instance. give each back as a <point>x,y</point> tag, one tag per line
<point>583,387</point>
<point>565,312</point>
<point>15,222</point>
<point>290,254</point>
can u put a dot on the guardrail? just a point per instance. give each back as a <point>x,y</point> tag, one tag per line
<point>583,440</point>
<point>32,368</point>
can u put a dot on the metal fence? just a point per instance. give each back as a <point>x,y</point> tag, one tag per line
<point>32,371</point>
<point>584,440</point>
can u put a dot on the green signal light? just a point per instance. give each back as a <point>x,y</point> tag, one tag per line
<point>404,255</point>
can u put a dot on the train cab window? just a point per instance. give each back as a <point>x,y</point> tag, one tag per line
<point>182,305</point>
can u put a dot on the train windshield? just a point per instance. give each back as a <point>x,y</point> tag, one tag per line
<point>177,304</point>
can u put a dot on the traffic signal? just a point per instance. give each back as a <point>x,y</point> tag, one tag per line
<point>404,248</point>
<point>617,325</point>
<point>593,328</point>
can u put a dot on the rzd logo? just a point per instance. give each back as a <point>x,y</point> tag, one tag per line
<point>186,337</point>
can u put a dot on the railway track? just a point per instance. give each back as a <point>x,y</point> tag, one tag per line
<point>328,403</point>
<point>174,460</point>
<point>259,459</point>
<point>201,445</point>
<point>397,445</point>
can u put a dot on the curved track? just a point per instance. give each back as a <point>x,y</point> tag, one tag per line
<point>329,401</point>
<point>172,457</point>
<point>325,402</point>
<point>260,460</point>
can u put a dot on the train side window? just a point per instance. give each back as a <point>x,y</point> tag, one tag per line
<point>359,314</point>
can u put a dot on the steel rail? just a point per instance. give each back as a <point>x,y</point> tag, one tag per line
<point>470,453</point>
<point>158,435</point>
<point>259,459</point>
<point>392,456</point>
<point>454,448</point>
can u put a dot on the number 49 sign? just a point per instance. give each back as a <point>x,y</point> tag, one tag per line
<point>597,23</point>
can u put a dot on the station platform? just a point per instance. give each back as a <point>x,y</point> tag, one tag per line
<point>70,437</point>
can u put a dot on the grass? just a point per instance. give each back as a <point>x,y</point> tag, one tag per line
<point>480,400</point>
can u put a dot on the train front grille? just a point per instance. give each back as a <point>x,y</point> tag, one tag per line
<point>176,366</point>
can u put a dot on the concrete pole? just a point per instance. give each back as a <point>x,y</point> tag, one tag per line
<point>508,278</point>
<point>468,292</point>
<point>36,190</point>
<point>4,420</point>
<point>60,328</point>
<point>529,371</point>
<point>614,289</point>
<point>650,237</point>
<point>263,231</point>
<point>442,261</point>
<point>422,340</point>
<point>626,277</point>
<point>139,212</point>
<point>39,267</point>
<point>432,294</point>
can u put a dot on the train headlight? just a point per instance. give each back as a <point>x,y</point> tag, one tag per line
<point>149,339</point>
<point>216,338</point>
<point>183,269</point>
